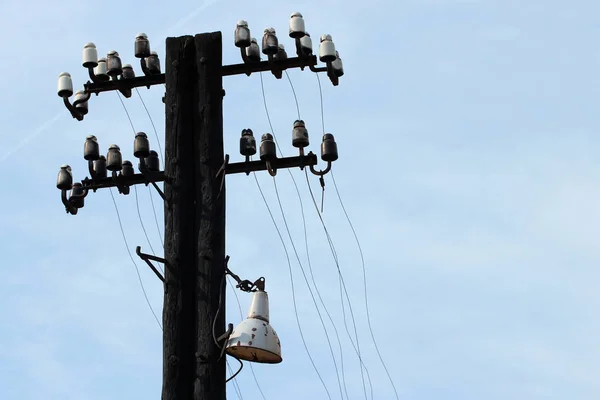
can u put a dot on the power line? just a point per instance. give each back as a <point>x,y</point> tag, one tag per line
<point>137,203</point>
<point>294,92</point>
<point>343,285</point>
<point>236,385</point>
<point>321,97</point>
<point>357,347</point>
<point>308,256</point>
<point>149,191</point>
<point>308,285</point>
<point>293,287</point>
<point>155,217</point>
<point>160,152</point>
<point>288,230</point>
<point>132,260</point>
<point>362,258</point>
<point>126,112</point>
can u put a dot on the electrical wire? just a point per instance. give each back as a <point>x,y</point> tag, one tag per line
<point>308,285</point>
<point>294,92</point>
<point>362,258</point>
<point>287,255</point>
<point>237,298</point>
<point>232,377</point>
<point>334,253</point>
<point>132,260</point>
<point>156,218</point>
<point>238,371</point>
<point>214,323</point>
<point>337,335</point>
<point>137,203</point>
<point>309,260</point>
<point>287,227</point>
<point>160,152</point>
<point>321,97</point>
<point>236,385</point>
<point>149,191</point>
<point>126,112</point>
<point>343,290</point>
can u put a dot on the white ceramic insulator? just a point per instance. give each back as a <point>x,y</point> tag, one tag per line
<point>101,68</point>
<point>337,64</point>
<point>65,85</point>
<point>90,55</point>
<point>297,28</point>
<point>327,51</point>
<point>253,50</point>
<point>81,95</point>
<point>306,42</point>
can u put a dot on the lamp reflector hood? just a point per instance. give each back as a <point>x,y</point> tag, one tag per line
<point>254,339</point>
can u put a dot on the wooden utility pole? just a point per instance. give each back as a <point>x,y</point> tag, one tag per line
<point>194,219</point>
<point>194,189</point>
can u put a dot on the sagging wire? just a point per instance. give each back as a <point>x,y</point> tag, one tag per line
<point>308,285</point>
<point>343,290</point>
<point>288,230</point>
<point>236,385</point>
<point>137,203</point>
<point>334,253</point>
<point>156,218</point>
<point>238,371</point>
<point>362,258</point>
<point>132,260</point>
<point>237,298</point>
<point>287,255</point>
<point>149,190</point>
<point>126,112</point>
<point>214,323</point>
<point>160,152</point>
<point>294,92</point>
<point>310,263</point>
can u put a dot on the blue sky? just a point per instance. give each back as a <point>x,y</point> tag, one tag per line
<point>467,164</point>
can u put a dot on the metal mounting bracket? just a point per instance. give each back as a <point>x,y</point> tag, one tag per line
<point>148,257</point>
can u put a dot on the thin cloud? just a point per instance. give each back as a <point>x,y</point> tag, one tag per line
<point>189,17</point>
<point>45,126</point>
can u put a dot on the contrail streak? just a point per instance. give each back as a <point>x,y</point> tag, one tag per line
<point>185,20</point>
<point>45,126</point>
<point>179,24</point>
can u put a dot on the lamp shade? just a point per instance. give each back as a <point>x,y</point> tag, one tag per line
<point>254,339</point>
